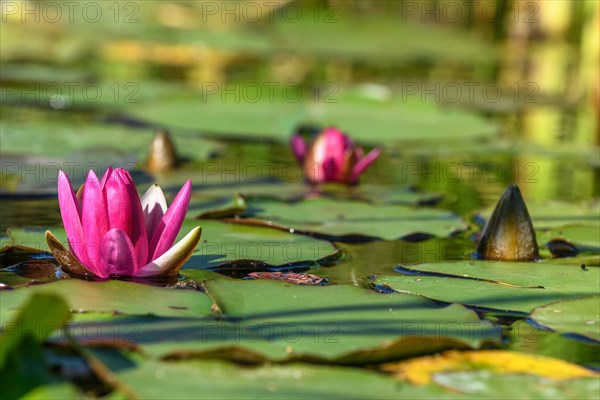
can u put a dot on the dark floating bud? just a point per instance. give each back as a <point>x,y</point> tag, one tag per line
<point>561,248</point>
<point>162,156</point>
<point>509,234</point>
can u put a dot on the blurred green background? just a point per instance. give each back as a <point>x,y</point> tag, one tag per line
<point>464,96</point>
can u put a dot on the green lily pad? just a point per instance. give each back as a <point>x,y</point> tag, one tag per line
<point>505,286</point>
<point>298,324</point>
<point>217,379</point>
<point>578,316</point>
<point>53,139</point>
<point>219,209</point>
<point>274,116</point>
<point>113,297</point>
<point>585,237</point>
<point>221,244</point>
<point>527,338</point>
<point>332,218</point>
<point>271,320</point>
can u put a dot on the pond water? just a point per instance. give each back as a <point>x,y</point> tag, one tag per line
<point>410,227</point>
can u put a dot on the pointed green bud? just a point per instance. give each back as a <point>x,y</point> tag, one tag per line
<point>509,234</point>
<point>162,155</point>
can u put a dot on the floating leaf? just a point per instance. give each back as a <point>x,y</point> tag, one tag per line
<point>275,116</point>
<point>529,338</point>
<point>113,297</point>
<point>64,140</point>
<point>578,317</point>
<point>217,379</point>
<point>584,237</point>
<point>275,321</point>
<point>505,286</point>
<point>219,209</point>
<point>343,220</point>
<point>223,245</point>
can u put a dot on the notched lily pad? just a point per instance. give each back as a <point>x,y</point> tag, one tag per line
<point>351,220</point>
<point>219,209</point>
<point>502,286</point>
<point>579,317</point>
<point>114,297</point>
<point>223,246</point>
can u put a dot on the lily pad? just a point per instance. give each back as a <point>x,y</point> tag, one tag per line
<point>529,338</point>
<point>218,209</point>
<point>275,116</point>
<point>54,139</point>
<point>221,244</point>
<point>504,286</point>
<point>277,321</point>
<point>579,317</point>
<point>339,219</point>
<point>113,297</point>
<point>585,237</point>
<point>217,379</point>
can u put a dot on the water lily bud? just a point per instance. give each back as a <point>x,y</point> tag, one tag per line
<point>509,234</point>
<point>332,157</point>
<point>162,156</point>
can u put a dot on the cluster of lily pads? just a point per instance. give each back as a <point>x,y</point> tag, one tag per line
<point>114,236</point>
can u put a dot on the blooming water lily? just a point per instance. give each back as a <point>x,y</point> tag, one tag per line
<point>332,157</point>
<point>111,231</point>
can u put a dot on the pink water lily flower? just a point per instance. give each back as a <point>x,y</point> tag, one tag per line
<point>332,157</point>
<point>111,231</point>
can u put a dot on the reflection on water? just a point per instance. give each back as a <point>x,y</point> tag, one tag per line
<point>20,212</point>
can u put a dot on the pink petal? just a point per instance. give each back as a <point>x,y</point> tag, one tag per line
<point>170,224</point>
<point>335,145</point>
<point>138,234</point>
<point>118,203</point>
<point>327,155</point>
<point>117,254</point>
<point>94,217</point>
<point>70,212</point>
<point>364,163</point>
<point>358,152</point>
<point>299,147</point>
<point>154,206</point>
